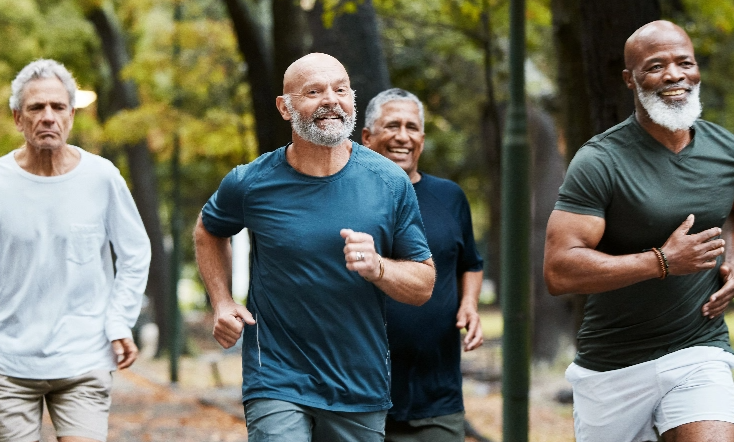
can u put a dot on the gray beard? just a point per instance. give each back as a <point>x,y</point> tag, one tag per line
<point>331,136</point>
<point>673,117</point>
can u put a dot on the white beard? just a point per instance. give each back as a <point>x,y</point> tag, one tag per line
<point>674,117</point>
<point>332,135</point>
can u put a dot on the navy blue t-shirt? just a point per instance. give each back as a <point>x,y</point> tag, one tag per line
<point>320,337</point>
<point>425,345</point>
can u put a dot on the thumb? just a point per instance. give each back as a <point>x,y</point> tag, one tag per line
<point>461,320</point>
<point>686,225</point>
<point>345,233</point>
<point>724,270</point>
<point>244,314</point>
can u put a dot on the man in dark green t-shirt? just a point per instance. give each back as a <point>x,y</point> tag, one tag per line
<point>637,227</point>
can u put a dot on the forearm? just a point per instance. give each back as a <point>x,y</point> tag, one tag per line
<point>586,271</point>
<point>409,282</point>
<point>470,288</point>
<point>214,258</point>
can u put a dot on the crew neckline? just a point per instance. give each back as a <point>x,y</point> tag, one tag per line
<point>48,179</point>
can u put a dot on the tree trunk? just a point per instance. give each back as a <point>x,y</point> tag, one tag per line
<point>142,171</point>
<point>574,110</point>
<point>605,27</point>
<point>251,42</point>
<point>354,40</point>
<point>290,30</point>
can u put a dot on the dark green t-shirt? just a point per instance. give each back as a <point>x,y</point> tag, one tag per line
<point>644,192</point>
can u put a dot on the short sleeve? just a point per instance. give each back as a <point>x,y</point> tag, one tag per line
<point>410,241</point>
<point>587,188</point>
<point>223,215</point>
<point>470,260</point>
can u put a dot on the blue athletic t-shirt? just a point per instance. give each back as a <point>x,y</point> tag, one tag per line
<point>425,345</point>
<point>320,337</point>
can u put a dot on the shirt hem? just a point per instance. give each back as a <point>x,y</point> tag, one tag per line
<point>319,405</point>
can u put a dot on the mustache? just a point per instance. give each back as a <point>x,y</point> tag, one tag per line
<point>326,110</point>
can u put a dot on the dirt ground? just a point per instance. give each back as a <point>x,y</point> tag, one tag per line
<point>205,405</point>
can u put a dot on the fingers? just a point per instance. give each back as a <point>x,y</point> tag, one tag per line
<point>126,351</point>
<point>708,235</point>
<point>229,323</point>
<point>473,338</point>
<point>720,300</point>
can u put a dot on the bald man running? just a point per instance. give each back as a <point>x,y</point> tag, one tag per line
<point>335,227</point>
<point>637,226</point>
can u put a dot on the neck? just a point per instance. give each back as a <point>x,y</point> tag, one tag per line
<point>315,160</point>
<point>414,176</point>
<point>47,162</point>
<point>675,141</point>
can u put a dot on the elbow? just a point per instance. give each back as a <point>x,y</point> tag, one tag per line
<point>422,299</point>
<point>426,292</point>
<point>554,282</point>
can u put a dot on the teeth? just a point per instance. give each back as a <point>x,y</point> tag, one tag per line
<point>673,93</point>
<point>403,151</point>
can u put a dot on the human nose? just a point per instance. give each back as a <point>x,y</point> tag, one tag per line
<point>329,97</point>
<point>402,134</point>
<point>48,115</point>
<point>674,73</point>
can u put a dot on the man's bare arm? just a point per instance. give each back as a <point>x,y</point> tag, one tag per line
<point>214,258</point>
<point>572,265</point>
<point>410,282</point>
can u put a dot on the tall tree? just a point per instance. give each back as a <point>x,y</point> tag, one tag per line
<point>252,44</point>
<point>353,38</point>
<point>573,104</point>
<point>605,27</point>
<point>123,95</point>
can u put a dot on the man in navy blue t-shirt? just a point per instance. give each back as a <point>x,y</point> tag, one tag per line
<point>425,342</point>
<point>335,227</point>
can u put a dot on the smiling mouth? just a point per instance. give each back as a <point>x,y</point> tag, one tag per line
<point>673,93</point>
<point>398,150</point>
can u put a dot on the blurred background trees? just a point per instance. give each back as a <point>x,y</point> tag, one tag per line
<point>215,96</point>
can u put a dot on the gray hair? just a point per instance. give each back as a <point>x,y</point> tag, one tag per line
<point>374,108</point>
<point>41,68</point>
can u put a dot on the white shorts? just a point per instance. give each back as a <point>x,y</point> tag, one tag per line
<point>627,405</point>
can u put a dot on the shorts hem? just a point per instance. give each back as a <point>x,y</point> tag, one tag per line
<point>690,419</point>
<point>90,434</point>
<point>32,438</point>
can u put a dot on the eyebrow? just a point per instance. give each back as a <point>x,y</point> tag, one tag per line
<point>340,81</point>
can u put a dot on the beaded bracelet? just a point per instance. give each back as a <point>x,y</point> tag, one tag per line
<point>662,261</point>
<point>665,261</point>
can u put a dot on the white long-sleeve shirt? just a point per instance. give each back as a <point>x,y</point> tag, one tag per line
<point>61,302</point>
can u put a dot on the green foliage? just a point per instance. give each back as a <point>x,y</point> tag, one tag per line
<point>710,24</point>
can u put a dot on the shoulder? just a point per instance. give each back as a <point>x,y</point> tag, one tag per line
<point>380,167</point>
<point>442,185</point>
<point>245,174</point>
<point>709,129</point>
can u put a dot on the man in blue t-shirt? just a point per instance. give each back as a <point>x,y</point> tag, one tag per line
<point>425,341</point>
<point>335,227</point>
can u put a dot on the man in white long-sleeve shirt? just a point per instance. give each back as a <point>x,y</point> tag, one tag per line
<point>65,314</point>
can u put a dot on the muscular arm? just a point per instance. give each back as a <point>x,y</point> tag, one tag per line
<point>467,316</point>
<point>214,258</point>
<point>409,282</point>
<point>572,265</point>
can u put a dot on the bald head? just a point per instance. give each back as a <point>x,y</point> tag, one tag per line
<point>312,67</point>
<point>653,37</point>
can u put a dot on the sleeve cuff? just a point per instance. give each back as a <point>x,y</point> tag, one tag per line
<point>117,331</point>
